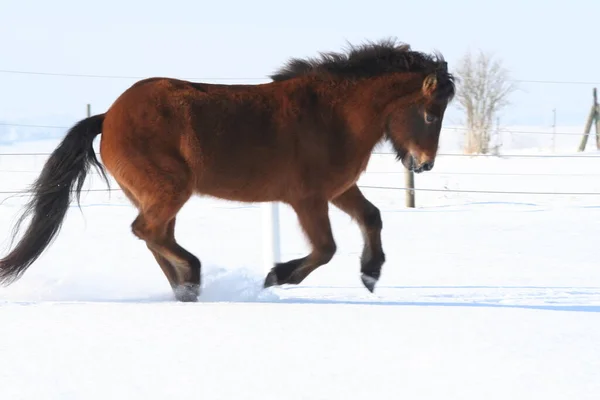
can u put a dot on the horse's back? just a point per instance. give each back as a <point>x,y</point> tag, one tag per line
<point>279,140</point>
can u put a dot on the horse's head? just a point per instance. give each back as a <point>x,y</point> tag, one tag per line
<point>413,127</point>
<point>386,86</point>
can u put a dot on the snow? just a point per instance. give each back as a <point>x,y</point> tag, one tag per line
<point>483,295</point>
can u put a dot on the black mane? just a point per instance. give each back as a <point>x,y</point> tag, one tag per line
<point>363,61</point>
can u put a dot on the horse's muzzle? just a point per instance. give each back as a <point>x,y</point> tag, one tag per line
<point>423,167</point>
<point>412,164</point>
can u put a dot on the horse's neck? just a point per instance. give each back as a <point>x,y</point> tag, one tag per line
<point>368,102</point>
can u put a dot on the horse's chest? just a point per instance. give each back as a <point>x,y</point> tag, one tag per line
<point>346,176</point>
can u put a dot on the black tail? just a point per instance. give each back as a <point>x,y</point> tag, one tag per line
<point>66,169</point>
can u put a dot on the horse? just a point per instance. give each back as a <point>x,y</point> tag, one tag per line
<point>303,139</point>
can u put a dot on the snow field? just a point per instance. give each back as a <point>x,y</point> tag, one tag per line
<point>483,295</point>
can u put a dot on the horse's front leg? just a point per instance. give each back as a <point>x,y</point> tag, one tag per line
<point>368,217</point>
<point>314,220</point>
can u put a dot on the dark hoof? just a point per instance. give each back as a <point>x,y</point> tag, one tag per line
<point>369,282</point>
<point>271,279</point>
<point>285,273</point>
<point>187,293</point>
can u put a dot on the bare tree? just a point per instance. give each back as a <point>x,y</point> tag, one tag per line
<point>483,90</point>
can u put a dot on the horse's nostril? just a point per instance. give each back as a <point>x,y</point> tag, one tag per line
<point>428,166</point>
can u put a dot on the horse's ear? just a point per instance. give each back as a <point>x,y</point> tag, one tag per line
<point>430,85</point>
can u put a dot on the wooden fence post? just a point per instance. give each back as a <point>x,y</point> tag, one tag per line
<point>409,178</point>
<point>597,117</point>
<point>593,116</point>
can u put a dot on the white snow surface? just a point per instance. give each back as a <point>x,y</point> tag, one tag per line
<point>483,295</point>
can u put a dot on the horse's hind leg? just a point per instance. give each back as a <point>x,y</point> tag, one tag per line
<point>314,220</point>
<point>184,271</point>
<point>159,200</point>
<point>354,203</point>
<point>169,271</point>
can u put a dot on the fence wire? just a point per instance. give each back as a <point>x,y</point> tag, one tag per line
<point>377,153</point>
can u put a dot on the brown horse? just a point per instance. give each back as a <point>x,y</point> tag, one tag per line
<point>303,139</point>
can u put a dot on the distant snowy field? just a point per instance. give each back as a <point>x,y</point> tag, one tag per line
<point>483,295</point>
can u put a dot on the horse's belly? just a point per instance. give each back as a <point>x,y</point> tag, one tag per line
<point>271,177</point>
<point>239,183</point>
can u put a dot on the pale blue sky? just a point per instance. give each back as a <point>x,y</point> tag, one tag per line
<point>538,40</point>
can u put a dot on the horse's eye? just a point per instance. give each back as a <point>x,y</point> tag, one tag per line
<point>429,118</point>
